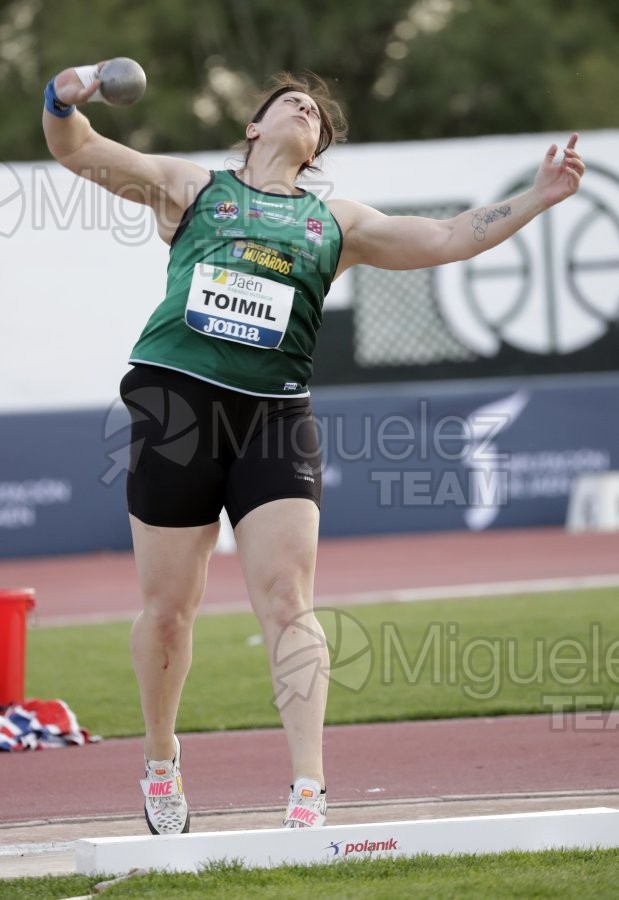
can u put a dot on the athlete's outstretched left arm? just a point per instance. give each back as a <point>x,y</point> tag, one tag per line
<point>412,242</point>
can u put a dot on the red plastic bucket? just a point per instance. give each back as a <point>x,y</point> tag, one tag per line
<point>14,608</point>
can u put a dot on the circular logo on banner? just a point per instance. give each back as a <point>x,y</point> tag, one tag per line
<point>553,287</point>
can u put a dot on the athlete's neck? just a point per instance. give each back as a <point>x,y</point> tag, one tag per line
<point>274,178</point>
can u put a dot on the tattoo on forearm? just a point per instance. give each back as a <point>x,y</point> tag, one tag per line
<point>484,217</point>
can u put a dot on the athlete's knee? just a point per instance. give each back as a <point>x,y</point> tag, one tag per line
<point>170,621</point>
<point>285,599</point>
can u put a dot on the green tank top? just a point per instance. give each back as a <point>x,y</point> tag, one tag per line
<point>247,277</point>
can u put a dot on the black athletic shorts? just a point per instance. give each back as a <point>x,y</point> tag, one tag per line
<point>196,448</point>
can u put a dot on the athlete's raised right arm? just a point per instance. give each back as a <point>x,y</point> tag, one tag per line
<point>167,184</point>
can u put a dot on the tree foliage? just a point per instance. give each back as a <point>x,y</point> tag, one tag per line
<point>402,69</point>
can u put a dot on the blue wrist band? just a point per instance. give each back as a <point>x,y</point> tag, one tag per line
<point>55,106</point>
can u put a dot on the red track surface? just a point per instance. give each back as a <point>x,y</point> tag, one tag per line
<point>106,583</point>
<point>413,759</point>
<point>230,770</point>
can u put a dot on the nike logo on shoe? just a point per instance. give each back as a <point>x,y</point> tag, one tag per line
<point>160,789</point>
<point>303,815</point>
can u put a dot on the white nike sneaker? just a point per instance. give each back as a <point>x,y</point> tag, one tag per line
<point>165,807</point>
<point>307,805</point>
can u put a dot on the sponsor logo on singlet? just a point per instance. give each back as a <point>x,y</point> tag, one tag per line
<point>261,255</point>
<point>226,209</point>
<point>313,231</point>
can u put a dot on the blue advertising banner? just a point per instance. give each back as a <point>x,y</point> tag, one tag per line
<point>56,493</point>
<point>412,459</point>
<point>397,458</point>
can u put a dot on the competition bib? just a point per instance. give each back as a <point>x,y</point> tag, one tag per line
<point>223,303</point>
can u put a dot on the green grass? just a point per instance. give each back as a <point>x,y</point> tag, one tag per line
<point>530,876</point>
<point>409,661</point>
<point>390,662</point>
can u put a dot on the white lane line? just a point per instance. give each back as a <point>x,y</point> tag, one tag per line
<point>34,849</point>
<point>364,598</point>
<point>466,591</point>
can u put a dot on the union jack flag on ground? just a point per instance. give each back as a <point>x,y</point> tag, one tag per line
<point>39,724</point>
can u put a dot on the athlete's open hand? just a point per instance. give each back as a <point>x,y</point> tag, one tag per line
<point>556,181</point>
<point>69,88</point>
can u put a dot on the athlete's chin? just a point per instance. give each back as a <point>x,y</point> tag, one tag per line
<point>303,150</point>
